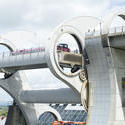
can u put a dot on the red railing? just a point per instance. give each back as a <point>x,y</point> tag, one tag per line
<point>67,122</point>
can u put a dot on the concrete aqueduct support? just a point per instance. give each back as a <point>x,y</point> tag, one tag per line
<point>116,63</point>
<point>105,73</point>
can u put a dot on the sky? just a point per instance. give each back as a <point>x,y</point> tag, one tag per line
<point>28,23</point>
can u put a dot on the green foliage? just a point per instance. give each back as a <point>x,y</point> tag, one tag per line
<point>3,111</point>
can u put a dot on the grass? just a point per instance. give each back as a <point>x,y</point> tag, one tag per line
<point>3,111</point>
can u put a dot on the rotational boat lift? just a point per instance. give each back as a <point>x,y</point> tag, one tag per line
<point>26,98</point>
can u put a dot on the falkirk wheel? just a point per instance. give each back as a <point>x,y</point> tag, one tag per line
<point>96,79</point>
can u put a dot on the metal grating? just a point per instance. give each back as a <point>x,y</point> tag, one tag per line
<point>66,114</point>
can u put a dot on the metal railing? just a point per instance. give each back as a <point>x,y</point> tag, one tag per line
<point>114,30</point>
<point>23,51</point>
<point>94,33</point>
<point>18,57</point>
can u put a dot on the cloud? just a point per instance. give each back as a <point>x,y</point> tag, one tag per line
<point>22,39</point>
<point>117,2</point>
<point>48,14</point>
<point>11,12</point>
<point>43,78</point>
<point>45,14</point>
<point>4,96</point>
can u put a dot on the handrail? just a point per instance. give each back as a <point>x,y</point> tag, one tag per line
<point>93,33</point>
<point>118,29</point>
<point>23,51</point>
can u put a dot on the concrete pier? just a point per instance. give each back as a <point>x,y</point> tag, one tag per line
<point>15,116</point>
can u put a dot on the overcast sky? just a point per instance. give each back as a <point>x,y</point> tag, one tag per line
<point>38,18</point>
